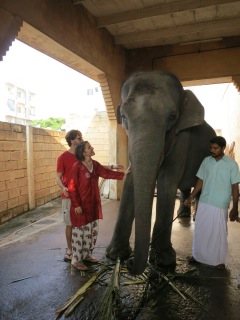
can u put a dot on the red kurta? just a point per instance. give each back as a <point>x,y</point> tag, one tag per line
<point>84,192</point>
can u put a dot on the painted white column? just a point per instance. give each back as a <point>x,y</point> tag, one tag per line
<point>30,171</point>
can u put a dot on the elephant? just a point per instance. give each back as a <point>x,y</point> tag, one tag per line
<point>167,140</point>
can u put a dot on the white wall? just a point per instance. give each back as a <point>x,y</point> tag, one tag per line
<point>231,119</point>
<point>222,111</point>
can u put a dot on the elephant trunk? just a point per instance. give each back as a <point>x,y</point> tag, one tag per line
<point>144,166</point>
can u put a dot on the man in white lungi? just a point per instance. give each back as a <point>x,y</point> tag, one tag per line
<point>218,179</point>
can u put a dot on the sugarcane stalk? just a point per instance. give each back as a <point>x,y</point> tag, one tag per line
<point>116,276</point>
<point>173,286</point>
<point>127,283</point>
<point>168,281</point>
<point>73,306</point>
<point>195,300</point>
<point>80,292</point>
<point>106,311</point>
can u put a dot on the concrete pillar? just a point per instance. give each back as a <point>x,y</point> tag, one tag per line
<point>30,168</point>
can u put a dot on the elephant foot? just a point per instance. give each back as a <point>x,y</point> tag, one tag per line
<point>184,211</point>
<point>135,268</point>
<point>163,259</point>
<point>113,252</point>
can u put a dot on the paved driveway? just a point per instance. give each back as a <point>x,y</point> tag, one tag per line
<point>35,280</point>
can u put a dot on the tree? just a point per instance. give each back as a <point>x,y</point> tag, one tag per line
<point>50,123</point>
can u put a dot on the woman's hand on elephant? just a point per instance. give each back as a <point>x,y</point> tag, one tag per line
<point>129,168</point>
<point>78,210</point>
<point>118,167</point>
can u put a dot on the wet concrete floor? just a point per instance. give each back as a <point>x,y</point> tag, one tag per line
<point>35,280</point>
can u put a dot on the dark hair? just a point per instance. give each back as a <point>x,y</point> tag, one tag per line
<point>71,135</point>
<point>219,140</point>
<point>79,150</point>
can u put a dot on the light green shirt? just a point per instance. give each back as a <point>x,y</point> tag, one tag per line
<point>218,177</point>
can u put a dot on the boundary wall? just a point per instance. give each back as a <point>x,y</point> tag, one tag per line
<point>27,168</point>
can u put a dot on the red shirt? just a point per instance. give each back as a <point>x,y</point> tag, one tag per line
<point>65,164</point>
<point>84,192</point>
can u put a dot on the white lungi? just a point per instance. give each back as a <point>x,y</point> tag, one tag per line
<point>210,244</point>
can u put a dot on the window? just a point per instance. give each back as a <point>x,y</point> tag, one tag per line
<point>89,92</point>
<point>10,91</point>
<point>32,111</point>
<point>11,104</point>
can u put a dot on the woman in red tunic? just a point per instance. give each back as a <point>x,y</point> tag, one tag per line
<point>86,207</point>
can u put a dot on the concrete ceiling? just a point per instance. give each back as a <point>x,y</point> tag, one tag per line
<point>147,23</point>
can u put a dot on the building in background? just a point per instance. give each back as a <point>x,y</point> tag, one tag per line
<point>90,103</point>
<point>89,115</point>
<point>17,104</point>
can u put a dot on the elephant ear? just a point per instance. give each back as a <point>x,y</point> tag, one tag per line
<point>191,113</point>
<point>119,118</point>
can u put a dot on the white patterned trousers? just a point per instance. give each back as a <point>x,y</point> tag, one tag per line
<point>84,240</point>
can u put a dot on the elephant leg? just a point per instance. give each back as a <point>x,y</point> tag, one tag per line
<point>162,252</point>
<point>169,178</point>
<point>184,211</point>
<point>119,245</point>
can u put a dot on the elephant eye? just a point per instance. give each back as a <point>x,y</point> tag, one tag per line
<point>172,116</point>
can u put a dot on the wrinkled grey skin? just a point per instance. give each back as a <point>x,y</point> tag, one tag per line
<point>167,141</point>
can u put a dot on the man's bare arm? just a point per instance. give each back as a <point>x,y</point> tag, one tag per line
<point>195,191</point>
<point>60,184</point>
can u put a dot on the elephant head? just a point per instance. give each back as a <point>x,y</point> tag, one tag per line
<point>154,110</point>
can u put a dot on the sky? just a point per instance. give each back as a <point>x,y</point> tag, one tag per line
<point>58,87</point>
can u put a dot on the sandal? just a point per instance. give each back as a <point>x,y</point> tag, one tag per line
<point>67,257</point>
<point>80,266</point>
<point>91,259</point>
